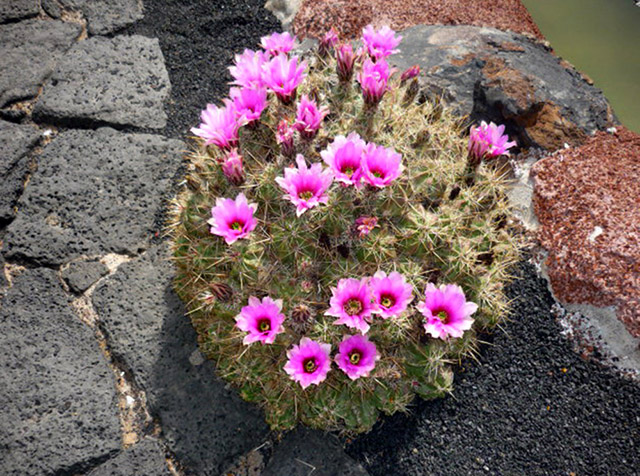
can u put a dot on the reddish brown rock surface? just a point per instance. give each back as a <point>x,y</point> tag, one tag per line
<point>349,16</point>
<point>577,191</point>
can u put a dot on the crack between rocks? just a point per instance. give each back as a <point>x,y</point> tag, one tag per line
<point>47,120</point>
<point>136,421</point>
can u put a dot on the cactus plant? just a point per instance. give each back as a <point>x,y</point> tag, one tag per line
<point>335,258</point>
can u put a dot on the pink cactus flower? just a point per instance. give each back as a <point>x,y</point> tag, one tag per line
<point>328,41</point>
<point>283,76</point>
<point>232,219</point>
<point>219,126</point>
<point>374,80</point>
<point>391,293</point>
<point>380,43</point>
<point>249,103</point>
<point>309,117</point>
<point>344,157</point>
<point>346,59</point>
<point>447,312</point>
<point>364,225</point>
<point>380,165</point>
<point>261,320</point>
<point>277,43</point>
<point>352,303</point>
<point>284,137</point>
<point>232,167</point>
<point>410,73</point>
<point>487,141</point>
<point>357,356</point>
<point>247,71</point>
<point>309,362</point>
<point>306,187</point>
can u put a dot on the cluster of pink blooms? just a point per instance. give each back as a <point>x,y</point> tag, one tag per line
<point>447,314</point>
<point>355,162</point>
<point>488,141</point>
<point>375,73</point>
<point>255,73</point>
<point>350,161</point>
<point>355,302</point>
<point>310,361</point>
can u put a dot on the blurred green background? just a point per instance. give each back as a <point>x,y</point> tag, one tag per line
<point>602,39</point>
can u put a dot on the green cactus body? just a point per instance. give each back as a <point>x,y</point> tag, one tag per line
<point>421,233</point>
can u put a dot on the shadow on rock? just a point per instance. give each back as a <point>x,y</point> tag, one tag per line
<point>205,424</point>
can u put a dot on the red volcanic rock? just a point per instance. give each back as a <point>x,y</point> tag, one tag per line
<point>587,200</point>
<point>315,17</point>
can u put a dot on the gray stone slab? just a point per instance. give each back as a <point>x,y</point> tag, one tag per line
<point>103,16</point>
<point>18,9</point>
<point>80,275</point>
<point>303,452</point>
<point>508,78</point>
<point>57,394</point>
<point>17,140</point>
<point>3,278</point>
<point>204,423</point>
<point>29,51</point>
<point>95,192</point>
<point>120,81</point>
<point>146,458</point>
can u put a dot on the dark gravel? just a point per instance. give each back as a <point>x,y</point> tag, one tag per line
<point>532,406</point>
<point>515,413</point>
<point>198,39</point>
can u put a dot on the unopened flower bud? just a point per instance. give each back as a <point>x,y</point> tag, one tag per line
<point>284,137</point>
<point>346,58</point>
<point>232,168</point>
<point>328,42</point>
<point>410,73</point>
<point>221,291</point>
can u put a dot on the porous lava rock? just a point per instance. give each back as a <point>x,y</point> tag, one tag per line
<point>17,140</point>
<point>95,192</point>
<point>120,81</point>
<point>205,423</point>
<point>586,200</point>
<point>80,275</point>
<point>57,393</point>
<point>304,451</point>
<point>315,17</point>
<point>29,51</point>
<point>146,458</point>
<point>11,10</point>
<point>506,78</point>
<point>102,16</point>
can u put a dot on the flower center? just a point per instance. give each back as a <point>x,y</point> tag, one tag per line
<point>310,365</point>
<point>305,195</point>
<point>264,325</point>
<point>377,174</point>
<point>443,316</point>
<point>348,171</point>
<point>355,357</point>
<point>236,225</point>
<point>387,301</point>
<point>353,307</point>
